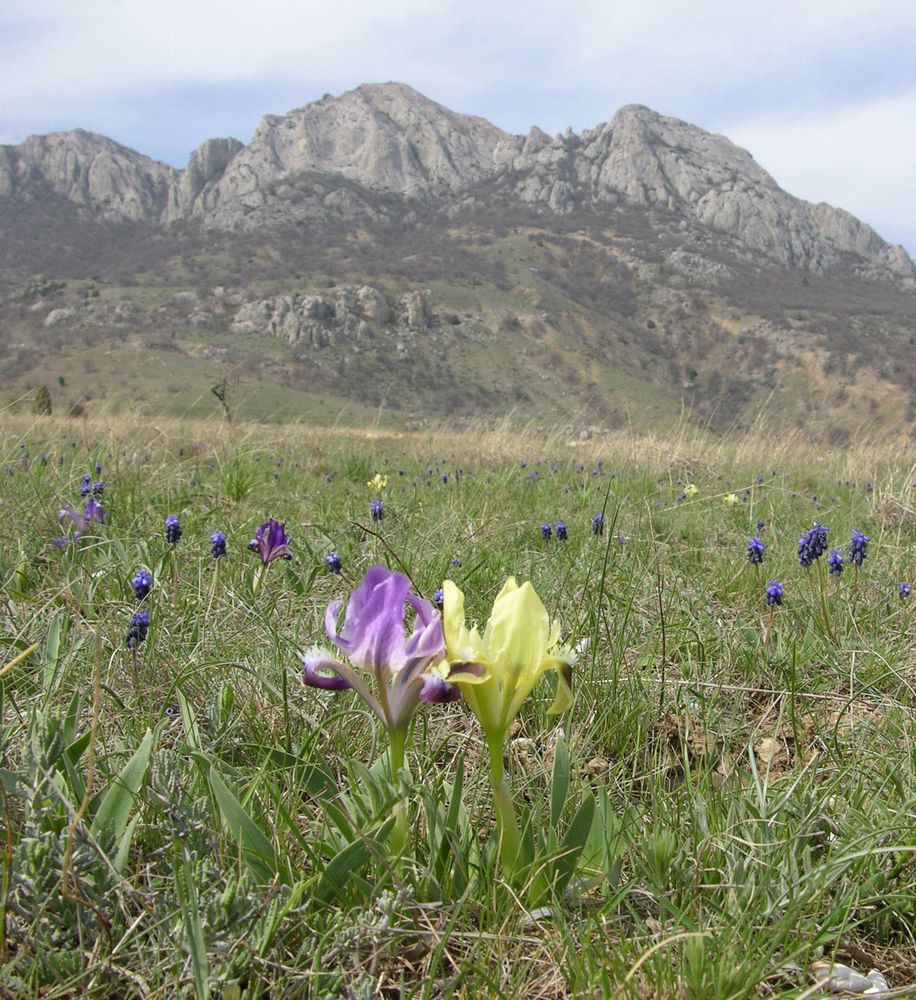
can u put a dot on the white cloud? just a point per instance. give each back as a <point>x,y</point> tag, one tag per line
<point>96,45</point>
<point>777,77</point>
<point>861,158</point>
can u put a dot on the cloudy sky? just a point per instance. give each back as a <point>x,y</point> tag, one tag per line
<point>822,92</point>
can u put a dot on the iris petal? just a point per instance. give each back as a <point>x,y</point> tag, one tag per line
<point>374,638</point>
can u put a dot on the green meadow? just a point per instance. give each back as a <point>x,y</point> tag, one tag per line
<point>728,806</point>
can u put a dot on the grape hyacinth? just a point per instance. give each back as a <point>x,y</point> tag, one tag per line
<point>812,544</point>
<point>546,532</point>
<point>598,524</point>
<point>760,524</point>
<point>217,545</point>
<point>142,583</point>
<point>172,529</point>
<point>562,531</point>
<point>755,550</point>
<point>835,562</point>
<point>858,547</point>
<point>376,509</point>
<point>903,589</point>
<point>333,563</point>
<point>86,485</point>
<point>136,631</point>
<point>773,593</point>
<point>438,597</point>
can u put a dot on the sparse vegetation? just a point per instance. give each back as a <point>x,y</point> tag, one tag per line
<point>512,291</point>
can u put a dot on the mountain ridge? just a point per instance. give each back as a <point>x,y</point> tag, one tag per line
<point>377,252</point>
<point>390,139</point>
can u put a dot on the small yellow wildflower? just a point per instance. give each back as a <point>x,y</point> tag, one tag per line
<point>732,498</point>
<point>377,483</point>
<point>691,490</point>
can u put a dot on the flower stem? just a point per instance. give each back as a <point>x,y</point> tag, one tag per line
<point>174,563</point>
<point>822,589</point>
<point>510,840</point>
<point>398,837</point>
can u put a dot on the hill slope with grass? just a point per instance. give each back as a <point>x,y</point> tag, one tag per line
<point>725,810</point>
<point>378,252</point>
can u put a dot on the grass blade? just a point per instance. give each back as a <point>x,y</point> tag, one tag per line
<point>257,850</point>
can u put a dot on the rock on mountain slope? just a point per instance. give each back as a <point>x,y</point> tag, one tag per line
<point>642,158</point>
<point>388,139</point>
<point>112,181</point>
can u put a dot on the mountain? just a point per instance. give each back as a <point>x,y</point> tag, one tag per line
<point>642,256</point>
<point>388,138</point>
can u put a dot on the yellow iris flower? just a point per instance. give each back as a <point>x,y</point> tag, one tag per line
<point>377,483</point>
<point>497,672</point>
<point>518,645</point>
<point>691,490</point>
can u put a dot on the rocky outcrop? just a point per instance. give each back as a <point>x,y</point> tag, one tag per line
<point>352,313</point>
<point>204,171</point>
<point>385,137</point>
<point>643,158</point>
<point>332,159</point>
<point>114,182</point>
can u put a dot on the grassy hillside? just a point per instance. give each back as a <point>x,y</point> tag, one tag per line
<point>194,821</point>
<point>620,322</point>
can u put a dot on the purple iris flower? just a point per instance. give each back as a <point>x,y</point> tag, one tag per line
<point>375,641</point>
<point>271,542</point>
<point>78,523</point>
<point>95,512</point>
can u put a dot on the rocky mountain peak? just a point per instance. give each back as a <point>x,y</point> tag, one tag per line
<point>91,170</point>
<point>388,139</point>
